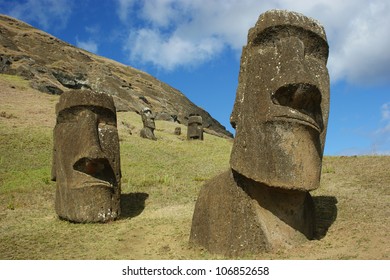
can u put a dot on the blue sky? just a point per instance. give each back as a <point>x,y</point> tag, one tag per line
<point>195,46</point>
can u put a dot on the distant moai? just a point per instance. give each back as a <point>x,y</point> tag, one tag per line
<point>195,127</point>
<point>148,121</point>
<point>86,158</point>
<point>280,116</point>
<point>177,130</point>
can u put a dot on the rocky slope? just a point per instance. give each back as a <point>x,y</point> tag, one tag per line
<point>53,66</point>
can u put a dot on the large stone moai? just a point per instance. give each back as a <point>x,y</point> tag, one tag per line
<point>280,116</point>
<point>195,127</point>
<point>148,121</point>
<point>86,159</point>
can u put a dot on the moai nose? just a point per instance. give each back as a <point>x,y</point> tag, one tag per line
<point>89,130</point>
<point>89,139</point>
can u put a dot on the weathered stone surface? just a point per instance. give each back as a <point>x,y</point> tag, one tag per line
<point>177,131</point>
<point>236,216</point>
<point>280,116</point>
<point>195,127</point>
<point>148,120</point>
<point>282,102</point>
<point>165,116</point>
<point>86,159</point>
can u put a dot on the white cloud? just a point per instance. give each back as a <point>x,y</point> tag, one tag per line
<point>162,12</point>
<point>360,50</point>
<point>148,45</point>
<point>89,45</point>
<point>357,31</point>
<point>45,13</point>
<point>385,111</point>
<point>124,8</point>
<point>181,33</point>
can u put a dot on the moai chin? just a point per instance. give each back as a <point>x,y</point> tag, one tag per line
<point>86,159</point>
<point>148,121</point>
<point>195,127</point>
<point>280,116</point>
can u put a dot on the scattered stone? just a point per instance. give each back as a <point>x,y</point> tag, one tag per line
<point>5,63</point>
<point>86,158</point>
<point>177,130</point>
<point>46,87</point>
<point>144,99</point>
<point>72,81</point>
<point>6,115</point>
<point>165,116</point>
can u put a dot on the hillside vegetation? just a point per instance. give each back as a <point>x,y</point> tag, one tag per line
<point>54,66</point>
<point>160,183</point>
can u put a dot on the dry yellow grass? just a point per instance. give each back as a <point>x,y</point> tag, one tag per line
<point>160,183</point>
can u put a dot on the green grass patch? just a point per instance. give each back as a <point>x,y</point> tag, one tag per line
<point>25,158</point>
<point>17,81</point>
<point>170,167</point>
<point>168,173</point>
<point>160,183</point>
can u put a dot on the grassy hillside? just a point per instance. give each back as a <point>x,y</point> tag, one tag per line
<point>160,183</point>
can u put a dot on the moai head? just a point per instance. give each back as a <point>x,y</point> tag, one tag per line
<point>282,102</point>
<point>149,125</point>
<point>148,118</point>
<point>86,159</point>
<point>177,130</point>
<point>195,127</point>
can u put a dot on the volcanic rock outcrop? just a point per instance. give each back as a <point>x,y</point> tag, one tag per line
<point>54,67</point>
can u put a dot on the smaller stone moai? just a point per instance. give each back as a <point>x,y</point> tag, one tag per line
<point>280,115</point>
<point>148,121</point>
<point>177,130</point>
<point>86,159</point>
<point>195,127</point>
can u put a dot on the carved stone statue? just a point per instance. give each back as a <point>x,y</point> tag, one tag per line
<point>86,159</point>
<point>195,127</point>
<point>177,130</point>
<point>149,125</point>
<point>280,116</point>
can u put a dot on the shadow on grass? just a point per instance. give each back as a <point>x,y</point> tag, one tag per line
<point>325,213</point>
<point>132,204</point>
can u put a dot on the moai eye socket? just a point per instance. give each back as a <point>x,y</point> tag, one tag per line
<point>305,98</point>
